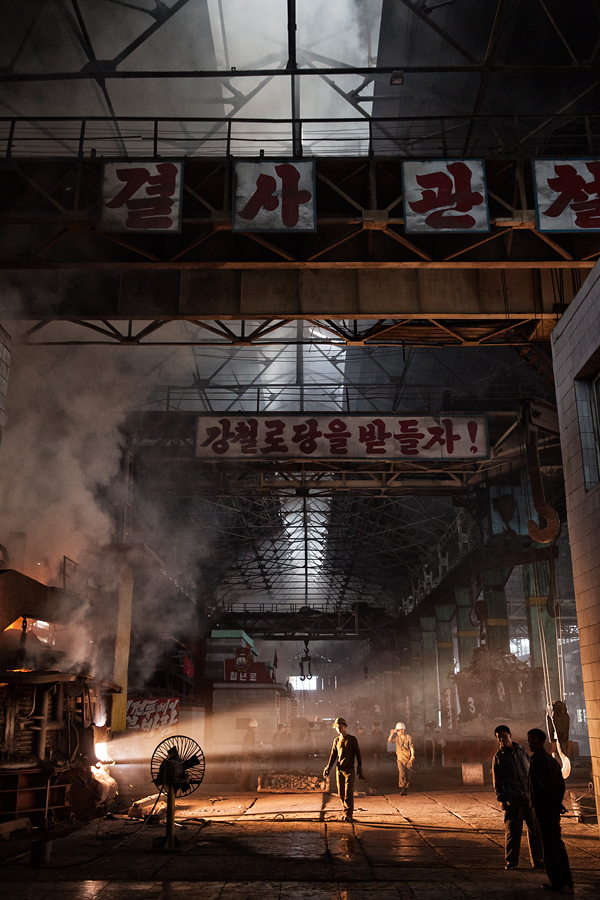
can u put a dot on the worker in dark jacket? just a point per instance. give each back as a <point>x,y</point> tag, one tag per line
<point>346,752</point>
<point>510,772</point>
<point>546,792</point>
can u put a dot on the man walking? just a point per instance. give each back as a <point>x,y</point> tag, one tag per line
<point>405,754</point>
<point>510,772</point>
<point>546,792</point>
<point>346,752</point>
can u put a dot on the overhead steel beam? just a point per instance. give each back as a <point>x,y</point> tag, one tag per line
<point>92,73</point>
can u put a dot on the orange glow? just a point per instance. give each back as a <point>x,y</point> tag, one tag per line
<point>44,631</point>
<point>101,752</point>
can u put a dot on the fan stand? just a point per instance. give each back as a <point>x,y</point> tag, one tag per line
<point>169,841</point>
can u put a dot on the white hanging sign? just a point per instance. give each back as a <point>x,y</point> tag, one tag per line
<point>567,194</point>
<point>141,196</point>
<point>342,436</point>
<point>274,195</point>
<point>444,195</point>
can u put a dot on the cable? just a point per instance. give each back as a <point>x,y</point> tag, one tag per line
<point>85,862</point>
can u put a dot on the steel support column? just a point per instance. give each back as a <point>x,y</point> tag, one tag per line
<point>430,672</point>
<point>494,594</point>
<point>468,636</point>
<point>444,614</point>
<point>417,721</point>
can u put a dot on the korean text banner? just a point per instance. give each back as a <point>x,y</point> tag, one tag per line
<point>444,195</point>
<point>567,194</point>
<point>141,196</point>
<point>339,437</point>
<point>152,714</point>
<point>273,195</point>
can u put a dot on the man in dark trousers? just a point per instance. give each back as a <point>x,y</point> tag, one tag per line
<point>346,752</point>
<point>546,792</point>
<point>510,772</point>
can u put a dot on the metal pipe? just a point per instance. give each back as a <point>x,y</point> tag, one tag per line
<point>170,817</point>
<point>43,726</point>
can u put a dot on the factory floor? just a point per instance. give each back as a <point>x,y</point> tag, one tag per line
<point>441,842</point>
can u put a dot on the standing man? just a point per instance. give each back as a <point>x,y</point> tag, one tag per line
<point>346,752</point>
<point>405,753</point>
<point>546,791</point>
<point>248,755</point>
<point>510,772</point>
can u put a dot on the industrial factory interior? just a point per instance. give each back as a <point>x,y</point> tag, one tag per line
<point>300,449</point>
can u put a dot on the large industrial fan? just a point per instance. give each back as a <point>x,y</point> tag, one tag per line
<point>177,767</point>
<point>178,761</point>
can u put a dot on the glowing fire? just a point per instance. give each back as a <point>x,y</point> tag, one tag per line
<point>102,752</point>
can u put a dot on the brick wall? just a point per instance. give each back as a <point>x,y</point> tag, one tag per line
<point>576,352</point>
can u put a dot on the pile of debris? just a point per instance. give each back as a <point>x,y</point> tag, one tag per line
<point>284,783</point>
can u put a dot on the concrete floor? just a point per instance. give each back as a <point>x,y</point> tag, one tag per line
<point>445,844</point>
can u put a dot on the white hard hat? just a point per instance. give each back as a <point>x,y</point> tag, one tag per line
<point>400,726</point>
<point>252,723</point>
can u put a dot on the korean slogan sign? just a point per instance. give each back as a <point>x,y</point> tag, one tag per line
<point>141,196</point>
<point>274,196</point>
<point>151,715</point>
<point>567,194</point>
<point>342,436</point>
<point>444,195</point>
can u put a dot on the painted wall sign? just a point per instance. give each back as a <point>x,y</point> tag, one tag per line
<point>335,437</point>
<point>151,715</point>
<point>567,194</point>
<point>141,196</point>
<point>445,195</point>
<point>274,195</point>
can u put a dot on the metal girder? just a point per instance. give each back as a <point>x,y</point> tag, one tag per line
<point>355,623</point>
<point>219,74</point>
<point>359,265</point>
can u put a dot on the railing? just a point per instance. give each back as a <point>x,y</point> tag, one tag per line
<point>286,608</point>
<point>133,136</point>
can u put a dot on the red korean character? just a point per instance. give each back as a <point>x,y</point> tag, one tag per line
<point>573,190</point>
<point>246,434</point>
<point>262,198</point>
<point>442,196</point>
<point>274,440</point>
<point>374,436</point>
<point>155,209</point>
<point>291,197</point>
<point>409,437</point>
<point>443,436</point>
<point>337,436</point>
<point>219,438</point>
<point>305,436</point>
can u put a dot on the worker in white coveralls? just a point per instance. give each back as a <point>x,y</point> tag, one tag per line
<point>405,754</point>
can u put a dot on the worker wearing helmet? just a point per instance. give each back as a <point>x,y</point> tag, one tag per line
<point>346,752</point>
<point>405,753</point>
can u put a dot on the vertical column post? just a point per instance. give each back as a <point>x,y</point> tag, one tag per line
<point>416,680</point>
<point>497,637</point>
<point>444,613</point>
<point>468,636</point>
<point>541,626</point>
<point>122,643</point>
<point>430,672</point>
